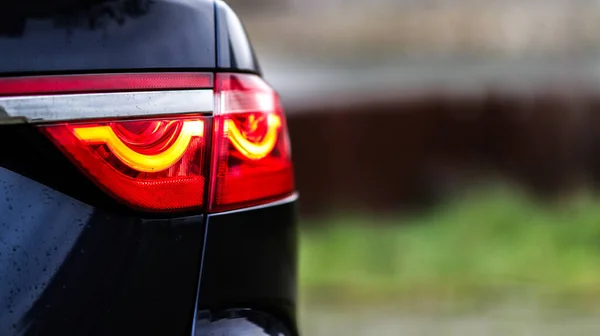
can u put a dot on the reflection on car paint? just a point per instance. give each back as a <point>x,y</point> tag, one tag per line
<point>238,322</point>
<point>35,238</point>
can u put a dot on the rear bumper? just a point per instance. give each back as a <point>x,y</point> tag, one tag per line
<point>67,268</point>
<point>250,263</point>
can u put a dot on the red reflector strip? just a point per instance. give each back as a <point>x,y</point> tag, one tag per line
<point>19,86</point>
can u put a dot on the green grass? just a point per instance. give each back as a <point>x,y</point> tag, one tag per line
<point>483,246</point>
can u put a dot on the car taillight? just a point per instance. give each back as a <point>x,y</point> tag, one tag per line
<point>251,149</point>
<point>170,156</point>
<point>149,164</point>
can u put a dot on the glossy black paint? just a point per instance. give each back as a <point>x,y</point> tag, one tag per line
<point>234,50</point>
<point>250,261</point>
<point>67,268</point>
<point>106,35</point>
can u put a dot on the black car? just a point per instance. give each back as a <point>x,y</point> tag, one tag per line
<point>146,180</point>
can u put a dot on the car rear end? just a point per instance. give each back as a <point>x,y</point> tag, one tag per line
<point>145,171</point>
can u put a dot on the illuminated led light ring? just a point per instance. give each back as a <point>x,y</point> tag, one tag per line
<point>135,160</point>
<point>255,150</point>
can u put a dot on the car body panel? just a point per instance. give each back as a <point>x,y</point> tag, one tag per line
<point>67,268</point>
<point>250,261</point>
<point>234,50</point>
<point>107,35</point>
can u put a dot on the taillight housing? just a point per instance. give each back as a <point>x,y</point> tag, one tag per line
<point>237,157</point>
<point>251,149</point>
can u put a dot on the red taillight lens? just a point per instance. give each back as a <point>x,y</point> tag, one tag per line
<point>164,163</point>
<point>251,150</point>
<point>149,164</point>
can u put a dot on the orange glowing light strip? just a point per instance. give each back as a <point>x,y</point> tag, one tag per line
<point>252,150</point>
<point>135,160</point>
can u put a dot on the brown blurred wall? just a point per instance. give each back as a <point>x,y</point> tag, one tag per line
<point>405,153</point>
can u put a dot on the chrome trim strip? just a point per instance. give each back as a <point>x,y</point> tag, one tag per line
<point>103,105</point>
<point>286,200</point>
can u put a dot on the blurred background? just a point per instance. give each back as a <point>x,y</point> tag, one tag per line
<point>448,159</point>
